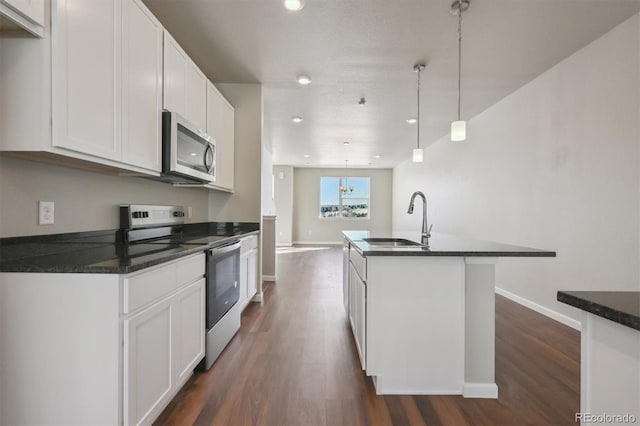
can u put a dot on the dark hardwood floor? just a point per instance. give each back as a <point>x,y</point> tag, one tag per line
<point>294,362</point>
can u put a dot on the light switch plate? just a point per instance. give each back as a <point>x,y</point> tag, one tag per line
<point>46,212</point>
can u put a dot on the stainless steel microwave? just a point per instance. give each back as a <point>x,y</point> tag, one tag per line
<point>188,153</point>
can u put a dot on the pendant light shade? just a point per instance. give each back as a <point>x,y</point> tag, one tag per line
<point>458,131</point>
<point>417,155</point>
<point>459,127</point>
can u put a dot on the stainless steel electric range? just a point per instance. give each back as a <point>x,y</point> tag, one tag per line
<point>163,226</point>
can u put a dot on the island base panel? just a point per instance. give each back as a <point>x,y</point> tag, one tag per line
<point>479,368</point>
<point>610,364</point>
<point>415,325</point>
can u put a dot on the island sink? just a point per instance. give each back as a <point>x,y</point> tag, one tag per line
<point>391,242</point>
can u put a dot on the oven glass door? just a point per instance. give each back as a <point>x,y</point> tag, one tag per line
<point>223,282</point>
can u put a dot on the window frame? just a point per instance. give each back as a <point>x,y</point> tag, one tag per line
<point>340,203</point>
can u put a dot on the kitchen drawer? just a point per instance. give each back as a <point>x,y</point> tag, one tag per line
<point>359,263</point>
<point>190,269</point>
<point>248,244</point>
<point>145,287</point>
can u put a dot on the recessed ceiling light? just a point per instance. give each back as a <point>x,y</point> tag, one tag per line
<point>411,120</point>
<point>296,119</point>
<point>193,154</point>
<point>293,5</point>
<point>377,156</point>
<point>303,79</point>
<point>306,156</point>
<point>345,143</point>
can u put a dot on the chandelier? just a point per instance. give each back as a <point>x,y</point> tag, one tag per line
<point>346,189</point>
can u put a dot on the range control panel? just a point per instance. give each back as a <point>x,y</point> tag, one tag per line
<point>134,216</point>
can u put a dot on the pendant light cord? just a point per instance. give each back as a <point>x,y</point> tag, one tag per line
<point>419,70</point>
<point>459,52</point>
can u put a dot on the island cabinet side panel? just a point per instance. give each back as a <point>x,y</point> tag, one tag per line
<point>415,324</point>
<point>610,369</point>
<point>60,349</point>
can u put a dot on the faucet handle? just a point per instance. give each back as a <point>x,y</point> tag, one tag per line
<point>429,230</point>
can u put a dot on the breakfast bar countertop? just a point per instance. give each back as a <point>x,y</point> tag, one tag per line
<point>622,307</point>
<point>440,244</point>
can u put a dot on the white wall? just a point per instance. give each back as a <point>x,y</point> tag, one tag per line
<point>283,188</point>
<point>309,228</point>
<point>88,200</point>
<point>555,165</point>
<point>244,204</point>
<point>84,201</point>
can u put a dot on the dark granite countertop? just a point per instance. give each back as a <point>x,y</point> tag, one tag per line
<point>440,245</point>
<point>104,252</point>
<point>622,307</point>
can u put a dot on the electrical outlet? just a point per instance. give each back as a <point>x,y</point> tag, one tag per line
<point>46,212</point>
<point>189,212</point>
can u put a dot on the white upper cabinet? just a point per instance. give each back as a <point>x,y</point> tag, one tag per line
<point>175,76</point>
<point>196,96</point>
<point>93,90</point>
<point>107,81</point>
<point>185,86</point>
<point>24,14</point>
<point>85,60</point>
<point>220,126</point>
<point>141,87</point>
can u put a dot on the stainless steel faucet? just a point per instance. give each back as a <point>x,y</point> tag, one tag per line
<point>426,230</point>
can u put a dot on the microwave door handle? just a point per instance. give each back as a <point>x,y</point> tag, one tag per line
<point>207,152</point>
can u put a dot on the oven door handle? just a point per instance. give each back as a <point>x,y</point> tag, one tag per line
<point>216,251</point>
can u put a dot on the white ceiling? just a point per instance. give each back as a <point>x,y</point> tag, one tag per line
<point>354,48</point>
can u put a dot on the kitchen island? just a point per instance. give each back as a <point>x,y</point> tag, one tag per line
<point>424,318</point>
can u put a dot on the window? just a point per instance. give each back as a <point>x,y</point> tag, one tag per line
<point>344,197</point>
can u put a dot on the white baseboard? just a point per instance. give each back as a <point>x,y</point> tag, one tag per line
<point>480,390</point>
<point>284,245</point>
<point>321,243</point>
<point>381,389</point>
<point>257,297</point>
<point>564,319</point>
<point>270,278</point>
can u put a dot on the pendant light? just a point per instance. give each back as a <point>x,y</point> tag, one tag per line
<point>417,152</point>
<point>459,127</point>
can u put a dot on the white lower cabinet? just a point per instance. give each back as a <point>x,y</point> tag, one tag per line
<point>147,363</point>
<point>163,344</point>
<point>164,340</point>
<point>248,269</point>
<point>99,348</point>
<point>190,320</point>
<point>357,311</point>
<point>252,275</point>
